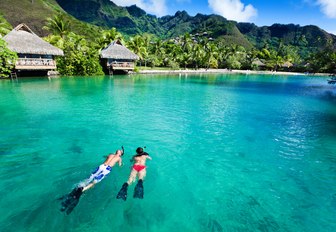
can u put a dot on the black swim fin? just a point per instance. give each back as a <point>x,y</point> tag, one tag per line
<point>122,194</point>
<point>139,190</point>
<point>70,201</point>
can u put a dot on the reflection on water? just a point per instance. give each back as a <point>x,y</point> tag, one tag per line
<point>230,152</point>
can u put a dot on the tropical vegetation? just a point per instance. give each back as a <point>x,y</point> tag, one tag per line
<point>178,42</point>
<point>7,59</point>
<point>5,27</point>
<point>80,55</point>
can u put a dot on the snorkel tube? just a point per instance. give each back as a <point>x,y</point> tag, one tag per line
<point>123,150</point>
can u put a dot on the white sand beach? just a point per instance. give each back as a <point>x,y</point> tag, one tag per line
<point>224,71</point>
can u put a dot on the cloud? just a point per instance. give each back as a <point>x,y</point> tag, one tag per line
<point>233,10</point>
<point>157,7</point>
<point>328,7</point>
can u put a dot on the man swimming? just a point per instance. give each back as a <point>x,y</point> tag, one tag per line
<point>138,170</point>
<point>104,169</point>
<point>71,200</point>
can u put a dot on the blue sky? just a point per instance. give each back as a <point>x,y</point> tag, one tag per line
<point>261,12</point>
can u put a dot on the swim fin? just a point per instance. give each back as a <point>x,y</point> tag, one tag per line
<point>122,194</point>
<point>139,190</point>
<point>70,201</point>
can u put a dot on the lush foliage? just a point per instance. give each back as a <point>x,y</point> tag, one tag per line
<point>201,52</point>
<point>178,41</point>
<point>5,27</point>
<point>80,55</point>
<point>322,61</point>
<point>7,59</point>
<point>158,41</point>
<point>187,51</point>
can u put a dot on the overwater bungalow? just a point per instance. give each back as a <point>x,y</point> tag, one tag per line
<point>117,58</point>
<point>287,64</point>
<point>34,54</point>
<point>259,64</point>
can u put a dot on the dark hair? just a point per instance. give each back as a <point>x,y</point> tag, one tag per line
<point>140,152</point>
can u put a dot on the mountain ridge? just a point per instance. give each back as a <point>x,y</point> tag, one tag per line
<point>133,20</point>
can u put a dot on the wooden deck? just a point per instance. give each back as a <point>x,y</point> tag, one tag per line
<point>35,64</point>
<point>121,65</point>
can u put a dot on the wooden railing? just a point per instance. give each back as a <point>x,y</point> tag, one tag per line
<point>35,63</point>
<point>121,65</point>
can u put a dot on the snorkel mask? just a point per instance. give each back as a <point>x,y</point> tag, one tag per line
<point>123,150</point>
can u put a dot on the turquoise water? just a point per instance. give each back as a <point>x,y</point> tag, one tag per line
<point>230,153</point>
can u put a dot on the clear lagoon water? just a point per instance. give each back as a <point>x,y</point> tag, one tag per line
<point>230,152</point>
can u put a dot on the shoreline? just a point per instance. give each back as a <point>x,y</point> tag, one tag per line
<point>226,71</point>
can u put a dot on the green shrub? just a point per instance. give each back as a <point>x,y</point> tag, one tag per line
<point>7,59</point>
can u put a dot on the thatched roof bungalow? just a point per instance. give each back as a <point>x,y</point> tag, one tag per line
<point>34,53</point>
<point>258,63</point>
<point>117,57</point>
<point>287,64</point>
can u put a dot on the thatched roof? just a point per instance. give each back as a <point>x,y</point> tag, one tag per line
<point>287,64</point>
<point>258,62</point>
<point>23,40</point>
<point>116,50</point>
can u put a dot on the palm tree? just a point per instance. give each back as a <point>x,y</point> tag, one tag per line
<point>55,40</point>
<point>58,25</point>
<point>198,55</point>
<point>275,60</point>
<point>3,31</point>
<point>137,45</point>
<point>157,51</point>
<point>5,27</point>
<point>107,36</point>
<point>211,55</point>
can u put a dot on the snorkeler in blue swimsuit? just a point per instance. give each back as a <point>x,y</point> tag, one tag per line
<point>70,200</point>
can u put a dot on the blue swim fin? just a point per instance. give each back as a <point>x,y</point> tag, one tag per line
<point>139,190</point>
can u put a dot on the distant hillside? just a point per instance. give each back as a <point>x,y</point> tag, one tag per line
<point>133,20</point>
<point>24,11</point>
<point>129,20</point>
<point>35,12</point>
<point>216,26</point>
<point>308,38</point>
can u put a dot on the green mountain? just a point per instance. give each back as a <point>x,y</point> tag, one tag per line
<point>215,26</point>
<point>307,38</point>
<point>133,20</point>
<point>128,20</point>
<point>34,13</point>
